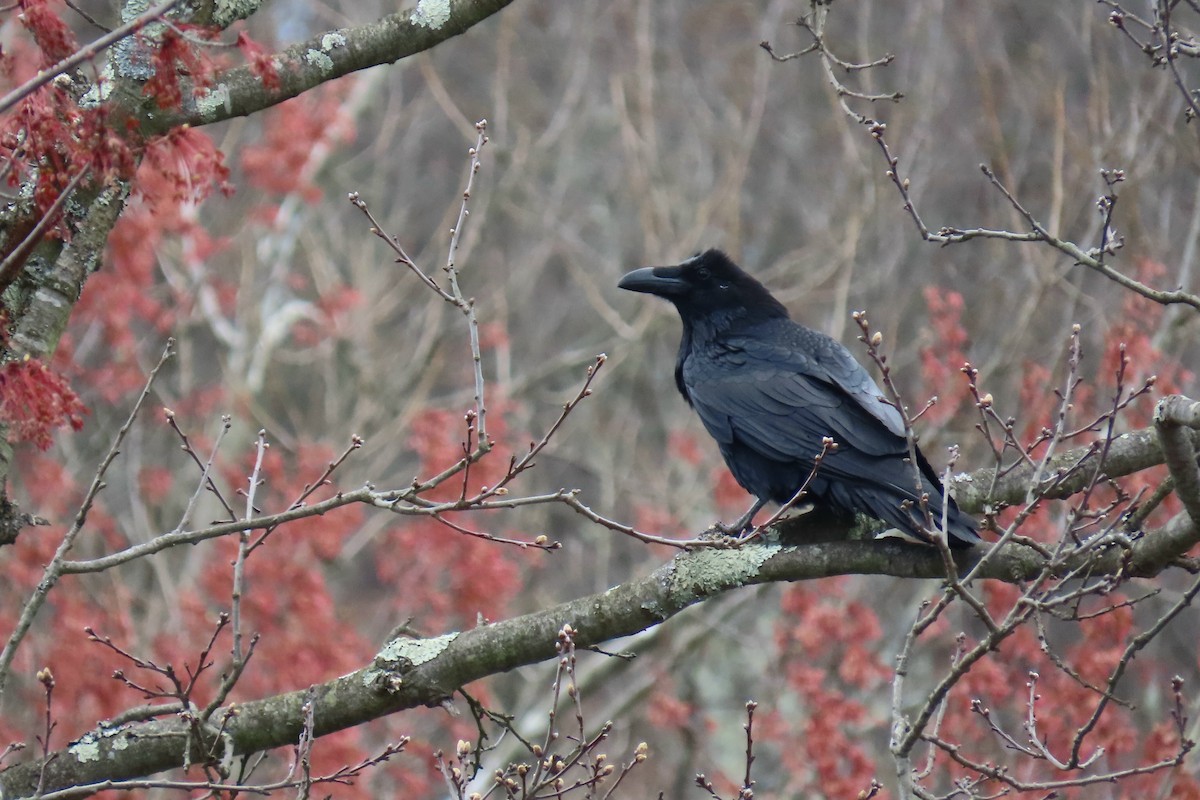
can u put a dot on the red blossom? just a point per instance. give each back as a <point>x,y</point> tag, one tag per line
<point>50,132</point>
<point>179,170</point>
<point>53,36</point>
<point>35,401</point>
<point>176,58</point>
<point>51,489</point>
<point>683,445</point>
<point>449,578</point>
<point>260,61</point>
<point>666,710</point>
<point>1134,335</point>
<point>727,492</point>
<point>155,484</point>
<point>295,131</point>
<point>943,357</point>
<point>334,306</point>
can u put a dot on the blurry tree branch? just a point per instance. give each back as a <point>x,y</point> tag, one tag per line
<point>306,65</point>
<point>43,318</point>
<point>1164,46</point>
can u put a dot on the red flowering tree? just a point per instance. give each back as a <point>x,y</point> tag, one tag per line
<point>213,583</point>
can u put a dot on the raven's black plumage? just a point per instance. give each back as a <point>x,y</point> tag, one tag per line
<point>769,391</point>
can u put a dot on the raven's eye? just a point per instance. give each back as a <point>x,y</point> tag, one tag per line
<point>703,273</point>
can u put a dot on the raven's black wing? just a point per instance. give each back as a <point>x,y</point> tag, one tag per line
<point>771,393</point>
<point>781,389</point>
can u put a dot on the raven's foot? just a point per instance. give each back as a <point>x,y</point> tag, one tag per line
<point>733,531</point>
<point>737,534</point>
<point>744,527</point>
<point>723,537</point>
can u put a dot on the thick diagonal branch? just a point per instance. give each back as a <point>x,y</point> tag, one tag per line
<point>327,56</point>
<point>1175,418</point>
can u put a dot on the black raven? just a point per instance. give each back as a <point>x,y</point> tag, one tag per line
<point>770,391</point>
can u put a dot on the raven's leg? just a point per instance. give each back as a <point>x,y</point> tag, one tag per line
<point>743,522</point>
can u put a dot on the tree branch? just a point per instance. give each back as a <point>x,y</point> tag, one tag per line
<point>1173,417</point>
<point>1128,453</point>
<point>334,54</point>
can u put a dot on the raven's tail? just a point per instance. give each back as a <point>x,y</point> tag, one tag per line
<point>901,508</point>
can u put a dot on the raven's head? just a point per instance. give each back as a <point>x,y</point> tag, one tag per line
<point>708,285</point>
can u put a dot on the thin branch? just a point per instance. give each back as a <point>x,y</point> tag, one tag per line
<point>16,258</point>
<point>814,25</point>
<point>402,256</point>
<point>517,466</point>
<point>205,475</point>
<point>1135,645</point>
<point>239,565</point>
<point>455,295</point>
<point>1128,453</point>
<point>199,462</point>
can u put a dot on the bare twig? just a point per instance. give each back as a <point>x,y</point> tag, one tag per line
<point>467,306</point>
<point>356,443</point>
<point>205,475</point>
<point>239,564</point>
<point>343,775</point>
<point>186,446</point>
<point>828,447</point>
<point>814,25</point>
<point>747,782</point>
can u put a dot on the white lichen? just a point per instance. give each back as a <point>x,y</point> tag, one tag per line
<point>414,651</point>
<point>214,101</point>
<point>86,749</point>
<point>402,654</point>
<point>431,14</point>
<point>319,60</point>
<point>707,572</point>
<point>332,40</point>
<point>227,12</point>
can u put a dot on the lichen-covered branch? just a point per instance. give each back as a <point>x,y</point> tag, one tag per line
<point>1127,454</point>
<point>306,65</point>
<point>1174,418</point>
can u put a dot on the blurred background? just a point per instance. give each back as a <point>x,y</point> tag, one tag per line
<point>622,133</point>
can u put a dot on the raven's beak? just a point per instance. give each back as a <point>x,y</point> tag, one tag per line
<point>662,281</point>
